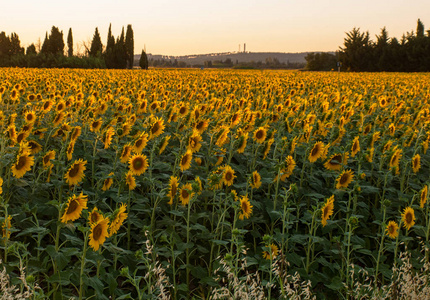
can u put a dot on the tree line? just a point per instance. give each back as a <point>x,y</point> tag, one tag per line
<point>388,54</point>
<point>118,52</point>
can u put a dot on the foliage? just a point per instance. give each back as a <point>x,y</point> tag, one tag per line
<point>360,53</point>
<point>143,61</point>
<point>96,48</point>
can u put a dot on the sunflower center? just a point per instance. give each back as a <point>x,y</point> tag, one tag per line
<point>343,179</point>
<point>73,205</point>
<point>315,151</point>
<point>326,211</point>
<point>74,170</point>
<point>259,135</point>
<point>94,217</point>
<point>138,143</point>
<point>137,163</point>
<point>97,232</point>
<point>199,125</point>
<point>228,176</point>
<point>185,194</point>
<point>155,128</point>
<point>29,117</point>
<point>244,206</point>
<point>46,159</point>
<point>21,162</point>
<point>408,218</point>
<point>20,137</point>
<point>184,160</point>
<point>182,110</point>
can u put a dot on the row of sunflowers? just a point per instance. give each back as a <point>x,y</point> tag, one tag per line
<point>163,183</point>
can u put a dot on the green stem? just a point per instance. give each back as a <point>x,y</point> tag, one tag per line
<point>81,274</point>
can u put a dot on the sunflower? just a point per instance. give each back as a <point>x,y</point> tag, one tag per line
<point>125,129</point>
<point>242,142</point>
<point>99,233</point>
<point>24,162</point>
<point>334,163</point>
<point>34,146</point>
<point>290,164</point>
<point>228,176</point>
<point>94,216</point>
<point>47,158</point>
<point>408,217</point>
<point>260,135</point>
<point>255,180</point>
<point>107,183</point>
<point>140,143</point>
<point>395,158</point>
<point>267,146</point>
<point>316,152</point>
<point>199,185</point>
<point>274,251</point>
<point>75,173</point>
<point>138,164</point>
<point>186,193</point>
<point>246,208</point>
<point>392,229</point>
<point>75,205</point>
<point>416,163</point>
<point>11,132</point>
<point>70,149</point>
<point>108,137</point>
<point>76,132</point>
<point>6,226</point>
<point>201,126</point>
<point>118,219</point>
<point>21,136</point>
<point>164,144</point>
<point>186,159</point>
<point>1,183</point>
<point>423,196</point>
<point>30,117</point>
<point>327,210</point>
<point>157,128</point>
<point>125,154</point>
<point>47,105</point>
<point>95,125</point>
<point>173,189</point>
<point>194,142</point>
<point>58,118</point>
<point>355,146</point>
<point>130,181</point>
<point>223,136</point>
<point>344,179</point>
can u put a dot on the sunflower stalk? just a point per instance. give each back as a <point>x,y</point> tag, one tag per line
<point>81,274</point>
<point>312,232</point>
<point>381,245</point>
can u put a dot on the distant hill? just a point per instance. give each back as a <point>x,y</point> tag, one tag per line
<point>236,57</point>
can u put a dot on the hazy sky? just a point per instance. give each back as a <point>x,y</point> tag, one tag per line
<point>206,26</point>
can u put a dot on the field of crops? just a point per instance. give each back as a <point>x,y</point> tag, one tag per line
<point>212,184</point>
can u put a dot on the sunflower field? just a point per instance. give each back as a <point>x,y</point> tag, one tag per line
<point>211,184</point>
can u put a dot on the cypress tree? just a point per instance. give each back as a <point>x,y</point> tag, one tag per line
<point>45,46</point>
<point>70,43</point>
<point>143,61</point>
<point>129,46</point>
<point>96,44</point>
<point>110,49</point>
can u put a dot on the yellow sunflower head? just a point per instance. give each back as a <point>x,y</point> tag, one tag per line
<point>107,183</point>
<point>228,176</point>
<point>173,189</point>
<point>408,217</point>
<point>94,216</point>
<point>164,144</point>
<point>274,251</point>
<point>75,173</point>
<point>23,164</point>
<point>194,142</point>
<point>255,180</point>
<point>327,210</point>
<point>334,163</point>
<point>157,128</point>
<point>125,154</point>
<point>118,219</point>
<point>245,208</point>
<point>260,134</point>
<point>130,181</point>
<point>140,143</point>
<point>138,164</point>
<point>316,152</point>
<point>47,158</point>
<point>416,163</point>
<point>392,229</point>
<point>423,196</point>
<point>99,233</point>
<point>74,207</point>
<point>186,159</point>
<point>186,193</point>
<point>344,179</point>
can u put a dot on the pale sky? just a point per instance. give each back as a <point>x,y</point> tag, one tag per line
<point>205,26</point>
